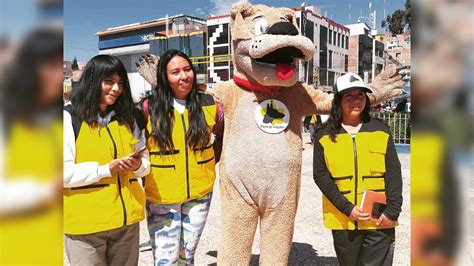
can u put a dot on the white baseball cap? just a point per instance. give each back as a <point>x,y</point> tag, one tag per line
<point>350,81</point>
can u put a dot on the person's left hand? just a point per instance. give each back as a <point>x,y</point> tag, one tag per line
<point>387,85</point>
<point>383,221</point>
<point>147,68</point>
<point>130,163</point>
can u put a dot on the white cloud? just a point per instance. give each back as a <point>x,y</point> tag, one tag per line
<point>326,6</point>
<point>222,7</point>
<point>199,11</point>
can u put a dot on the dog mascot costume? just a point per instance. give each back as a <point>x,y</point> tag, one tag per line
<point>263,105</point>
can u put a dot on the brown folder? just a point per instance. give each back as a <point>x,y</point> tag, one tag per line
<point>373,203</point>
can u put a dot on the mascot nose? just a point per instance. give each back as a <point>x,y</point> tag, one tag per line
<point>283,28</point>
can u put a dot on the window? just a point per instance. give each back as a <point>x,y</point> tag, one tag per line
<point>346,62</point>
<point>223,36</point>
<point>330,36</point>
<point>334,37</point>
<point>330,59</point>
<point>330,78</point>
<point>323,35</point>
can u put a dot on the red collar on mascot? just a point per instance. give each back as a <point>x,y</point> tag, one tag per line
<point>255,86</point>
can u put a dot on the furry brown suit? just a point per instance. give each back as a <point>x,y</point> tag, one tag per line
<point>260,172</point>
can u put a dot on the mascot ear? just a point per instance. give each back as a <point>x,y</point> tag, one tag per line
<point>289,14</point>
<point>240,10</point>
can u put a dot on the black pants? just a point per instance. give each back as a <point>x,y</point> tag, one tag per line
<point>364,247</point>
<point>312,129</point>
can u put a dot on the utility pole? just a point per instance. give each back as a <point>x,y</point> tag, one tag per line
<point>303,32</point>
<point>166,21</point>
<point>374,33</point>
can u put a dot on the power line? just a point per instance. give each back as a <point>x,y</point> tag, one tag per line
<point>80,48</point>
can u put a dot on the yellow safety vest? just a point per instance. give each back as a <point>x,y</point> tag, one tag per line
<point>32,237</point>
<point>355,165</point>
<point>112,202</point>
<point>427,151</point>
<point>181,174</point>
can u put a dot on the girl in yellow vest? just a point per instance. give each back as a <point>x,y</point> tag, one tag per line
<point>31,136</point>
<point>103,159</point>
<point>353,153</point>
<point>179,187</point>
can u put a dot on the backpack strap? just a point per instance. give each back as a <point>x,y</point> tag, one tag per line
<point>140,118</point>
<point>76,120</point>
<point>146,112</point>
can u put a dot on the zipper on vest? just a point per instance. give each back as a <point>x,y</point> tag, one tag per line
<point>118,179</point>
<point>186,150</point>
<point>355,174</point>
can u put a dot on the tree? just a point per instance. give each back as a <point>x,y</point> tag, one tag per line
<point>407,18</point>
<point>74,64</point>
<point>399,20</point>
<point>396,22</point>
<point>383,24</point>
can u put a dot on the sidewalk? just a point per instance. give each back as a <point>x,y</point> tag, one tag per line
<point>312,242</point>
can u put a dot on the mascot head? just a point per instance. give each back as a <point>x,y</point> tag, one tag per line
<point>267,44</point>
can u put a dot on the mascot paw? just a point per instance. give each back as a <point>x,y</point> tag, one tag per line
<point>387,85</point>
<point>147,67</point>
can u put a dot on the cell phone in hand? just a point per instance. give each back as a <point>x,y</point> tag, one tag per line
<point>378,209</point>
<point>137,154</point>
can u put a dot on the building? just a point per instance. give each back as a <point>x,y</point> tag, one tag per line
<point>399,47</point>
<point>220,66</point>
<point>67,69</point>
<point>208,44</point>
<point>330,41</point>
<point>361,52</point>
<point>130,42</point>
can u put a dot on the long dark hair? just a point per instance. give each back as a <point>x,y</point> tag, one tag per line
<point>161,109</point>
<point>85,97</point>
<point>335,118</point>
<point>21,88</point>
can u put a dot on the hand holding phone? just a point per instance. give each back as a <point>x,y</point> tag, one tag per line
<point>137,154</point>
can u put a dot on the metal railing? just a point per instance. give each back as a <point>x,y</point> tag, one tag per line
<point>399,124</point>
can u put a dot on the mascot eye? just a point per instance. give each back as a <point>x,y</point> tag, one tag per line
<point>261,26</point>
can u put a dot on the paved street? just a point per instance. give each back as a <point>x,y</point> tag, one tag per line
<point>312,242</point>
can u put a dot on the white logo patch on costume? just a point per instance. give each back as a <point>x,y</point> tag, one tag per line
<point>272,116</point>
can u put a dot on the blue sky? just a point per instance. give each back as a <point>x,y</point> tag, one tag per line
<point>14,25</point>
<point>83,18</point>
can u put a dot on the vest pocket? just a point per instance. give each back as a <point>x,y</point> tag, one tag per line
<point>377,157</point>
<point>91,186</point>
<point>372,176</point>
<point>164,166</point>
<point>135,199</point>
<point>205,161</point>
<point>205,148</point>
<point>344,183</point>
<point>333,218</point>
<point>373,182</point>
<point>172,152</point>
<point>341,177</point>
<point>378,190</point>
